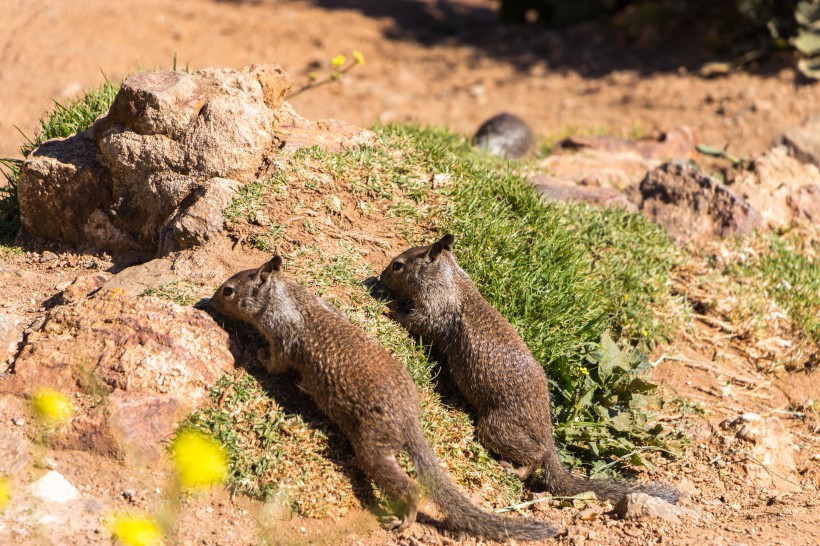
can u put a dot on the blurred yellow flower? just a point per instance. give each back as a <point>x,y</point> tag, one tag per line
<point>644,332</point>
<point>583,370</point>
<point>5,492</point>
<point>51,407</point>
<point>134,530</point>
<point>338,61</point>
<point>358,57</point>
<point>200,460</point>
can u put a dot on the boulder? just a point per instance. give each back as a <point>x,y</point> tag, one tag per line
<point>169,139</point>
<point>133,365</point>
<point>556,189</point>
<point>693,206</point>
<point>779,186</point>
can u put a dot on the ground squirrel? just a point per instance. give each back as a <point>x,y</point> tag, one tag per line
<point>505,135</point>
<point>361,388</point>
<point>491,366</point>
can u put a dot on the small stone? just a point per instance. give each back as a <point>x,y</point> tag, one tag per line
<point>53,487</point>
<point>640,506</point>
<point>19,421</point>
<point>47,256</point>
<point>589,513</point>
<point>129,494</point>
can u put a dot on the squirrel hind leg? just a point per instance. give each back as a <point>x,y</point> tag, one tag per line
<point>403,492</point>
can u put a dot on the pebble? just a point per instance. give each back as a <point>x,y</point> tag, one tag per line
<point>19,421</point>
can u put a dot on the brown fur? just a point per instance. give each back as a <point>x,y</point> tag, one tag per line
<point>491,366</point>
<point>361,388</point>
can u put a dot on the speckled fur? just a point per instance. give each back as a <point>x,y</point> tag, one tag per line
<point>505,135</point>
<point>491,366</point>
<point>364,390</point>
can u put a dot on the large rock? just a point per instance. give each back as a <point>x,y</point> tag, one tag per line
<point>779,186</point>
<point>134,366</point>
<point>167,136</point>
<point>693,206</point>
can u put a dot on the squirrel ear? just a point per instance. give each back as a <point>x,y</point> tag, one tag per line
<point>446,243</point>
<point>275,264</point>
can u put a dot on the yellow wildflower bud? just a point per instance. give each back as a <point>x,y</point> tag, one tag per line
<point>358,57</point>
<point>5,493</point>
<point>200,461</point>
<point>338,61</point>
<point>134,530</point>
<point>52,407</point>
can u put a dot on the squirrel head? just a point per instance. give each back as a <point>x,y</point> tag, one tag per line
<point>249,292</point>
<point>422,268</point>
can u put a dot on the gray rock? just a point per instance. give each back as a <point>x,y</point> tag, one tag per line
<point>640,506</point>
<point>803,142</point>
<point>505,135</point>
<point>693,206</point>
<point>53,487</point>
<point>199,217</point>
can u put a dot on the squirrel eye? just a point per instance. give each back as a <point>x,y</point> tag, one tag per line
<point>227,291</point>
<point>397,266</point>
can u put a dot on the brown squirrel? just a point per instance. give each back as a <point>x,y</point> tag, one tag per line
<point>361,388</point>
<point>491,366</point>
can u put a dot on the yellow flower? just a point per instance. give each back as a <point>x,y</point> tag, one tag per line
<point>625,297</point>
<point>338,61</point>
<point>5,493</point>
<point>583,370</point>
<point>313,76</point>
<point>52,407</point>
<point>200,460</point>
<point>644,332</point>
<point>134,530</point>
<point>358,57</point>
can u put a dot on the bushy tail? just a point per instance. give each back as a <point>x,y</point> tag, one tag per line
<point>559,482</point>
<point>461,514</point>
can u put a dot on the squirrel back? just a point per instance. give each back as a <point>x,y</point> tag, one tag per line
<point>505,135</point>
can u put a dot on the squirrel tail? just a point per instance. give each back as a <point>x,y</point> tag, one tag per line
<point>559,482</point>
<point>460,513</point>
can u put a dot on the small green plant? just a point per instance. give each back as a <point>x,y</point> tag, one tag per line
<point>181,292</point>
<point>339,67</point>
<point>792,279</point>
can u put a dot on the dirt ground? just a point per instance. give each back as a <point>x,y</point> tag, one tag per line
<point>444,63</point>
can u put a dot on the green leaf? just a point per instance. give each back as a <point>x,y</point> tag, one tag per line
<point>810,68</point>
<point>807,42</point>
<point>622,422</point>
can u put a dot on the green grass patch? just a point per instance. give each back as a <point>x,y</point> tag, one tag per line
<point>792,279</point>
<point>562,275</point>
<point>181,292</point>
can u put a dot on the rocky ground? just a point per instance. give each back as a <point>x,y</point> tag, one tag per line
<point>751,472</point>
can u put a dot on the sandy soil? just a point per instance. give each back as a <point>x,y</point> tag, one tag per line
<point>444,63</point>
